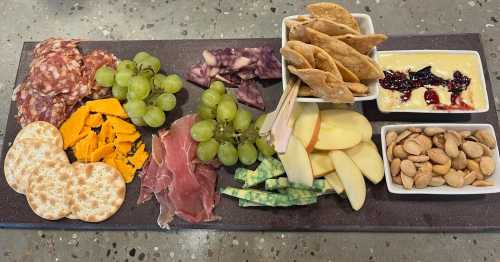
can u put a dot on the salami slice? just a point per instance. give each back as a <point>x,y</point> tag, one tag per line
<point>93,61</point>
<point>34,106</point>
<point>55,74</point>
<point>58,45</point>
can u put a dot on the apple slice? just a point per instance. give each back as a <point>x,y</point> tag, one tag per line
<point>351,178</point>
<point>336,133</point>
<point>349,118</point>
<point>368,161</point>
<point>296,163</point>
<point>306,127</point>
<point>334,181</point>
<point>321,164</point>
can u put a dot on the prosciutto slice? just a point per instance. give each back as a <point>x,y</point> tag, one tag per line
<point>238,67</point>
<point>182,185</point>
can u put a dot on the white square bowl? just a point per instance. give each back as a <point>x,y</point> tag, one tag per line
<point>366,27</point>
<point>442,190</point>
<point>433,111</point>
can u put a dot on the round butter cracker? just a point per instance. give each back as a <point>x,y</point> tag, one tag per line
<point>25,156</point>
<point>47,191</point>
<point>97,191</point>
<point>41,130</point>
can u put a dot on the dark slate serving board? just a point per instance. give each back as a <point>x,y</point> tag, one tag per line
<point>382,211</point>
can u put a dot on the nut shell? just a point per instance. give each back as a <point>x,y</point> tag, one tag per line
<point>487,165</point>
<point>437,155</point>
<point>472,149</point>
<point>395,166</point>
<point>408,168</point>
<point>412,147</point>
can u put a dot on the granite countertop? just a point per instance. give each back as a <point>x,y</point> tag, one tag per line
<point>23,20</point>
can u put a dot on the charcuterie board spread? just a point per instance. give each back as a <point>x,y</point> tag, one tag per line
<point>255,134</point>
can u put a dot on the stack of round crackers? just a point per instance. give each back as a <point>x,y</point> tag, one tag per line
<point>37,166</point>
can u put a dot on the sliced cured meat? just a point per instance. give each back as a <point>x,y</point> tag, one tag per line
<point>68,48</point>
<point>237,67</point>
<point>34,106</point>
<point>249,93</point>
<point>181,184</point>
<point>56,74</point>
<point>93,61</point>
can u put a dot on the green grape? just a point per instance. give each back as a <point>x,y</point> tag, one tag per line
<point>205,112</point>
<point>150,62</point>
<point>122,77</point>
<point>249,135</point>
<point>247,153</point>
<point>210,97</point>
<point>120,92</point>
<point>207,150</point>
<point>228,97</point>
<point>135,108</point>
<point>203,130</point>
<point>126,64</point>
<point>264,147</point>
<point>105,76</point>
<point>138,88</point>
<point>226,111</point>
<point>166,102</point>
<point>154,117</point>
<point>242,120</point>
<point>158,79</point>
<point>259,121</point>
<point>141,56</point>
<point>225,132</point>
<point>172,84</point>
<point>138,121</point>
<point>147,73</point>
<point>218,86</point>
<point>227,154</point>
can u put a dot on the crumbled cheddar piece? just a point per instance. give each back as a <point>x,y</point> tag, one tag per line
<point>84,132</point>
<point>71,128</point>
<point>101,151</point>
<point>127,137</point>
<point>123,147</point>
<point>121,126</point>
<point>106,133</point>
<point>125,169</point>
<point>108,106</point>
<point>94,120</point>
<point>80,150</point>
<point>140,156</point>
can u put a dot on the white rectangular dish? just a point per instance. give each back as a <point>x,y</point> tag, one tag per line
<point>366,27</point>
<point>441,190</point>
<point>481,79</point>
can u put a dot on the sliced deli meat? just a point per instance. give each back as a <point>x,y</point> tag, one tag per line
<point>93,61</point>
<point>182,185</point>
<point>238,67</point>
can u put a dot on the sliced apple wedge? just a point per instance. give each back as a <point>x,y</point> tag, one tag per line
<point>296,163</point>
<point>351,178</point>
<point>368,160</point>
<point>321,164</point>
<point>306,127</point>
<point>334,181</point>
<point>336,133</point>
<point>350,119</point>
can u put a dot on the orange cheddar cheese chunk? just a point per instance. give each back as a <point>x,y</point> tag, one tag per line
<point>107,106</point>
<point>123,147</point>
<point>121,126</point>
<point>94,120</point>
<point>71,128</point>
<point>128,137</point>
<point>101,151</point>
<point>140,156</point>
<point>127,171</point>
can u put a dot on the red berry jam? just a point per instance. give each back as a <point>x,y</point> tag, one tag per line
<point>431,97</point>
<point>406,82</point>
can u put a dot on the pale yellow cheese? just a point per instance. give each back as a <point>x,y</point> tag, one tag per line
<point>443,65</point>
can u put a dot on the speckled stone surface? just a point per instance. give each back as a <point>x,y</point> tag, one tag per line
<point>24,20</point>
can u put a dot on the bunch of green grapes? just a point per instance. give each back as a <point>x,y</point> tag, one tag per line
<point>227,131</point>
<point>147,93</point>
